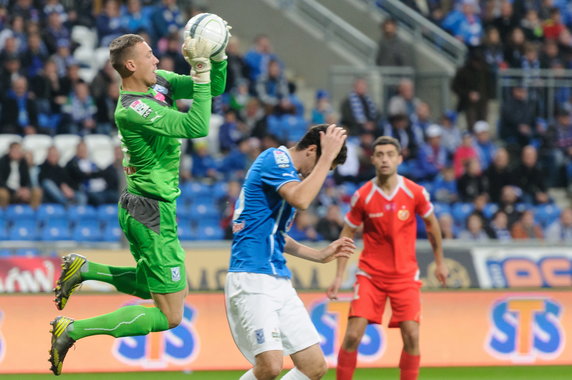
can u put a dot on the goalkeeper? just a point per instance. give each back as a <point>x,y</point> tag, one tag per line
<point>150,129</point>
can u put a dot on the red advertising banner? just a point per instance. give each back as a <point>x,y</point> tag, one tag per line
<point>28,274</point>
<point>457,329</point>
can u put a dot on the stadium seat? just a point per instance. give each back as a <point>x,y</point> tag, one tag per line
<point>6,139</point>
<point>48,212</point>
<point>219,189</point>
<point>3,230</point>
<point>461,211</point>
<point>490,209</point>
<point>203,210</point>
<point>185,230</point>
<point>441,208</point>
<point>16,213</point>
<point>87,230</point>
<point>66,144</point>
<point>6,253</point>
<point>101,150</point>
<point>23,230</point>
<point>76,213</point>
<point>183,210</point>
<point>112,233</point>
<point>210,233</point>
<point>546,214</point>
<point>55,230</point>
<point>27,252</point>
<point>106,213</point>
<point>38,145</point>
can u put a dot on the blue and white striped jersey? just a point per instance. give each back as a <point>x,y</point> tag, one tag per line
<point>262,217</point>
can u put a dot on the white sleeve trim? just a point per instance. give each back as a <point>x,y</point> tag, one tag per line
<point>429,212</point>
<point>346,219</point>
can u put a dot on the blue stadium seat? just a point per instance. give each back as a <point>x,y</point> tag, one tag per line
<point>185,230</point>
<point>490,209</point>
<point>20,213</point>
<point>441,208</point>
<point>77,213</point>
<point>50,211</point>
<point>112,233</point>
<point>87,230</point>
<point>23,230</point>
<point>461,211</point>
<point>183,210</point>
<point>107,212</point>
<point>56,229</point>
<point>6,252</point>
<point>201,210</point>
<point>546,214</point>
<point>210,232</point>
<point>219,189</point>
<point>421,230</point>
<point>27,252</point>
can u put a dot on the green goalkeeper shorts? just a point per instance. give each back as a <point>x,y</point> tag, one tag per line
<point>150,226</point>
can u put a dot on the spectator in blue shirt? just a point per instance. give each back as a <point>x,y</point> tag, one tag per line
<point>432,156</point>
<point>108,23</point>
<point>167,19</point>
<point>486,148</point>
<point>134,17</point>
<point>204,164</point>
<point>258,57</point>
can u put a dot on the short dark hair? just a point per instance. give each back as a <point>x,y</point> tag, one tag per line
<point>387,140</point>
<point>119,50</point>
<point>312,137</point>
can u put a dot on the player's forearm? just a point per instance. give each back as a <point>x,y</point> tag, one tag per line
<point>218,77</point>
<point>292,247</point>
<point>303,193</point>
<point>342,262</point>
<point>197,120</point>
<point>434,237</point>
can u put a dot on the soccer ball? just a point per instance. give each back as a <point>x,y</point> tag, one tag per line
<point>210,27</point>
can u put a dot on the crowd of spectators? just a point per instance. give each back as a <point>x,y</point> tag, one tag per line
<point>480,188</point>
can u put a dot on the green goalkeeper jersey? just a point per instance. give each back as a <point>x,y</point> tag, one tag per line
<point>150,128</point>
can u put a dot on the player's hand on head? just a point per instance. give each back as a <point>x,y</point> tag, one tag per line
<point>332,141</point>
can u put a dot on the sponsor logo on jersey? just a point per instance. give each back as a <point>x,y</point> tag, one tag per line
<point>141,108</point>
<point>177,346</point>
<point>281,159</point>
<point>330,319</point>
<point>291,174</point>
<point>525,329</point>
<point>159,96</point>
<point>237,227</point>
<point>161,89</point>
<point>176,274</point>
<point>376,215</point>
<point>259,336</point>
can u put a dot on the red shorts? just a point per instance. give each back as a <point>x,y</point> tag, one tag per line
<point>370,297</point>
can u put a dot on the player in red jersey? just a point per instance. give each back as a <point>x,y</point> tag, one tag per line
<point>386,206</point>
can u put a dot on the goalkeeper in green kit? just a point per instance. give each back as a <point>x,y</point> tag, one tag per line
<point>150,129</point>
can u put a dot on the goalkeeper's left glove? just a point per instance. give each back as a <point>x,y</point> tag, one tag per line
<point>196,52</point>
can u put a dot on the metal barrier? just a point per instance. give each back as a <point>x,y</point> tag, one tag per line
<point>431,87</point>
<point>546,86</point>
<point>423,30</point>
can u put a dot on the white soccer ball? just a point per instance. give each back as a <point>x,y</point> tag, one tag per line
<point>210,27</point>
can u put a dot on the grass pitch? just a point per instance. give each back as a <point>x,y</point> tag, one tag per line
<point>457,373</point>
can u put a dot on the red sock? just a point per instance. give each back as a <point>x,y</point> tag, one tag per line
<point>346,364</point>
<point>409,365</point>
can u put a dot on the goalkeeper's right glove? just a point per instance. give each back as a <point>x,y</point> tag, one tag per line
<point>221,56</point>
<point>197,52</point>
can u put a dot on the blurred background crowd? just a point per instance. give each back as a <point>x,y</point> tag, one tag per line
<point>60,174</point>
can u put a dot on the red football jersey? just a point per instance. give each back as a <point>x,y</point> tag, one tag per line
<point>389,228</point>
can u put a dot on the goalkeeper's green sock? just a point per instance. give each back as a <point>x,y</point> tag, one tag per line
<point>127,321</point>
<point>123,278</point>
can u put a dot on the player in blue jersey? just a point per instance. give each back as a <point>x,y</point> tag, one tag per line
<point>267,318</point>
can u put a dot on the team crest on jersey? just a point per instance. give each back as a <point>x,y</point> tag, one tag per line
<point>281,159</point>
<point>141,108</point>
<point>237,227</point>
<point>160,89</point>
<point>403,214</point>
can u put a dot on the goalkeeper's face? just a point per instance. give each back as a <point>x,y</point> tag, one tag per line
<point>145,64</point>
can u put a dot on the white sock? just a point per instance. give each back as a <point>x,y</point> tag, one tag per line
<point>295,374</point>
<point>248,375</point>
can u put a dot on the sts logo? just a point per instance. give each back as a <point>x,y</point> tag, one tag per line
<point>525,329</point>
<point>177,346</point>
<point>330,319</point>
